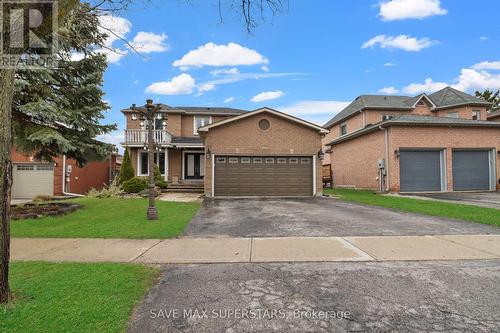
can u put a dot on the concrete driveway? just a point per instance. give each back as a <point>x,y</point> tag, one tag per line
<point>317,217</point>
<point>483,199</point>
<point>458,296</point>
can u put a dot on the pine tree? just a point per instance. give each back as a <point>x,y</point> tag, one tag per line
<point>126,170</point>
<point>58,111</point>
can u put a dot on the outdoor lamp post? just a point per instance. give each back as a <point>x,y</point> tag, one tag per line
<point>149,111</point>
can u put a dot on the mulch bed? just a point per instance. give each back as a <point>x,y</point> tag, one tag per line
<point>33,211</point>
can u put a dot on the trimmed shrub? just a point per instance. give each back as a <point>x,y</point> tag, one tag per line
<point>135,185</point>
<point>126,170</point>
<point>159,180</point>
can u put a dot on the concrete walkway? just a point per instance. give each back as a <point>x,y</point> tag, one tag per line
<point>244,250</point>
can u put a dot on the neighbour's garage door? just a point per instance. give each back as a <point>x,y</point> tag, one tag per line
<point>420,170</point>
<point>471,170</point>
<point>30,180</point>
<point>263,176</point>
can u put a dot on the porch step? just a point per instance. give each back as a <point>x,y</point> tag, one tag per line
<point>183,189</point>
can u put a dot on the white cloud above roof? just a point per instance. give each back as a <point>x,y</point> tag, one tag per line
<point>229,99</point>
<point>410,9</point>
<point>182,84</point>
<point>402,42</point>
<point>428,86</point>
<point>267,96</point>
<point>388,90</point>
<point>215,55</point>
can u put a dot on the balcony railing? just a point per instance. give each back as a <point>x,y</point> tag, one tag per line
<point>140,137</point>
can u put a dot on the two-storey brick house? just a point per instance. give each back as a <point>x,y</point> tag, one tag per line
<point>437,142</point>
<point>181,158</point>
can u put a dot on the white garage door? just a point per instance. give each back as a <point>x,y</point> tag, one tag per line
<point>30,180</point>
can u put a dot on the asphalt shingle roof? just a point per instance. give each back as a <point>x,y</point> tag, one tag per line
<point>443,98</point>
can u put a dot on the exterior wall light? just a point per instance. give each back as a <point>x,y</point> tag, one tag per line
<point>321,155</point>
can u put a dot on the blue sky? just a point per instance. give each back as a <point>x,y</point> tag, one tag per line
<point>309,61</point>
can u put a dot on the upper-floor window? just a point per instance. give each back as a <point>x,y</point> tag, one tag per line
<point>343,129</point>
<point>200,121</point>
<point>452,115</point>
<point>476,115</point>
<point>158,124</point>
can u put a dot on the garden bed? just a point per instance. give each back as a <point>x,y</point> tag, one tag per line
<point>33,211</point>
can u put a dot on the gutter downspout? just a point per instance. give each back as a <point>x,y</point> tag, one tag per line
<point>386,141</point>
<point>64,181</point>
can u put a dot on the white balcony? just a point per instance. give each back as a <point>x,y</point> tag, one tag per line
<point>140,137</point>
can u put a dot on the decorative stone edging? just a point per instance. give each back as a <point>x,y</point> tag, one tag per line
<point>33,211</point>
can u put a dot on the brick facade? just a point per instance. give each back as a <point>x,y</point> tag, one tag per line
<point>244,137</point>
<point>354,162</point>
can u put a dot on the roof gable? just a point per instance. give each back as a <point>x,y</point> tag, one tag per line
<point>259,111</point>
<point>443,98</point>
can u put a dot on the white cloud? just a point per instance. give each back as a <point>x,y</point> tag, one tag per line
<point>215,55</point>
<point>410,9</point>
<point>226,71</point>
<point>470,80</point>
<point>390,64</point>
<point>116,29</point>
<point>267,96</point>
<point>317,111</point>
<point>229,99</point>
<point>265,68</point>
<point>148,42</point>
<point>483,38</point>
<point>388,90</point>
<point>428,86</point>
<point>203,88</point>
<point>403,42</point>
<point>485,65</point>
<point>183,84</point>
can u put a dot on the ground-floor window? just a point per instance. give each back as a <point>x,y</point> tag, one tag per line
<point>159,159</point>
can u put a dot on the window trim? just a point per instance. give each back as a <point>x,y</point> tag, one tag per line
<point>478,112</point>
<point>340,129</point>
<point>195,130</point>
<point>156,159</point>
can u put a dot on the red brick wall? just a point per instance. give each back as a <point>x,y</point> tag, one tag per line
<point>244,137</point>
<point>354,162</point>
<point>440,137</point>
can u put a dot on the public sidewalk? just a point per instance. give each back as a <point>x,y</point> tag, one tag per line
<point>243,250</point>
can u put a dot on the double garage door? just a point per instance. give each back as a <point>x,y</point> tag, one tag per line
<point>263,176</point>
<point>425,170</point>
<point>30,180</point>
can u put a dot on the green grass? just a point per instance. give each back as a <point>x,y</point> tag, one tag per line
<point>434,208</point>
<point>71,297</point>
<point>111,218</point>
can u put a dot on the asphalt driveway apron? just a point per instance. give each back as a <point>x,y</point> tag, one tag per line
<point>317,217</point>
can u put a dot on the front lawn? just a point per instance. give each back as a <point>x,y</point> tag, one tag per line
<point>111,218</point>
<point>434,208</point>
<point>73,297</point>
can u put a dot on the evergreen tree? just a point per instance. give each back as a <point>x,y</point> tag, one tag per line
<point>126,170</point>
<point>58,111</point>
<point>490,96</point>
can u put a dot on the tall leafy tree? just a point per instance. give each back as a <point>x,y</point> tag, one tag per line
<point>490,96</point>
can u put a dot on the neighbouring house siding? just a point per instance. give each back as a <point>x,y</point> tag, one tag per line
<point>244,137</point>
<point>354,162</point>
<point>439,137</point>
<point>96,174</point>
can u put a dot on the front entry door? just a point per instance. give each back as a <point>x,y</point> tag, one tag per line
<point>194,164</point>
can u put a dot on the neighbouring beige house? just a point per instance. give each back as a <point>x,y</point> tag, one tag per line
<point>231,152</point>
<point>438,142</point>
